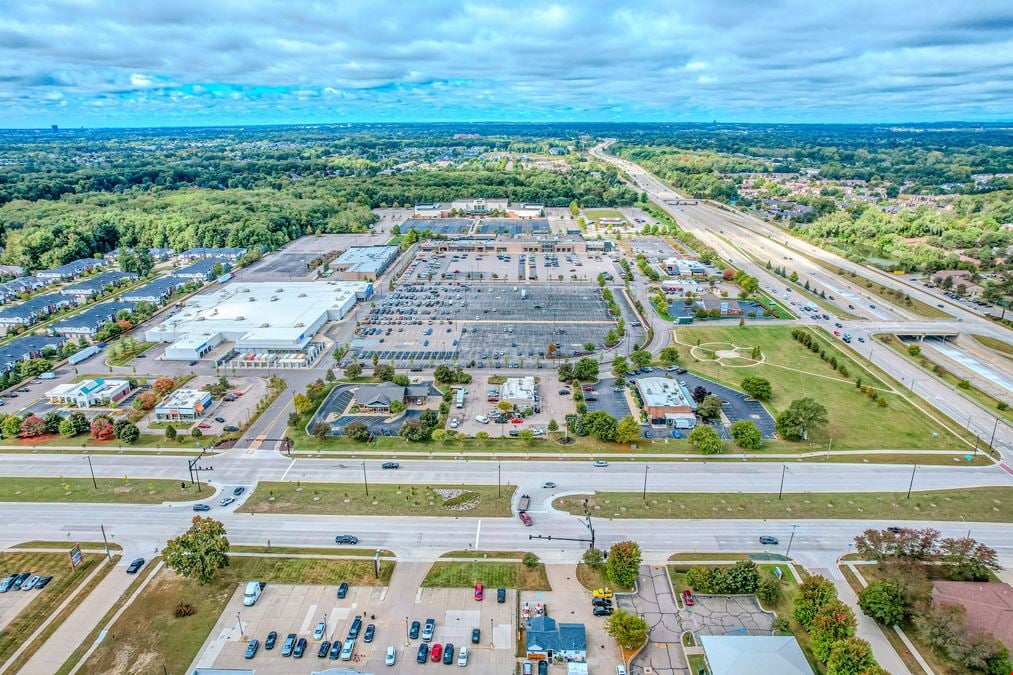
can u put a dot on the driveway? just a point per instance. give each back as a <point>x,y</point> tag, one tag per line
<point>654,601</point>
<point>726,615</point>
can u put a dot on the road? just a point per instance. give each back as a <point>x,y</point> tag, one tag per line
<point>732,234</point>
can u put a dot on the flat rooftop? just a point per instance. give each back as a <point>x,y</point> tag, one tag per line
<point>661,392</point>
<point>366,259</point>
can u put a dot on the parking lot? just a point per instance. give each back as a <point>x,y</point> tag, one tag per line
<point>508,267</point>
<point>12,602</point>
<point>652,248</point>
<point>297,609</point>
<point>290,262</point>
<point>485,325</point>
<point>552,407</point>
<point>334,411</point>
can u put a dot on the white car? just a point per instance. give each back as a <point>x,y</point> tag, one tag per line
<point>481,419</point>
<point>318,634</point>
<point>538,432</point>
<point>454,422</point>
<point>391,656</point>
<point>225,501</point>
<point>600,463</point>
<point>462,656</point>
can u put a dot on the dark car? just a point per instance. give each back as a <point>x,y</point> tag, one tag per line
<point>20,579</point>
<point>286,649</point>
<point>765,540</point>
<point>230,428</point>
<point>353,631</point>
<point>543,667</point>
<point>501,595</point>
<point>423,654</point>
<point>220,420</point>
<point>603,611</point>
<point>895,529</point>
<point>601,602</point>
<point>6,584</point>
<point>390,465</point>
<point>239,490</point>
<point>252,647</point>
<point>325,647</point>
<point>342,589</point>
<point>448,653</point>
<point>370,632</point>
<point>41,583</point>
<point>272,638</point>
<point>413,632</point>
<point>300,648</point>
<point>346,539</point>
<point>136,564</point>
<point>201,507</point>
<point>476,635</point>
<point>335,650</point>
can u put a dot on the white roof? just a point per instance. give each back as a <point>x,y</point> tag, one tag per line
<point>754,655</point>
<point>661,392</point>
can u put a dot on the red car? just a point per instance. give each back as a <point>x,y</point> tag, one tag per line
<point>687,598</point>
<point>238,393</point>
<point>587,387</point>
<point>837,333</point>
<point>203,425</point>
<point>435,652</point>
<point>517,420</point>
<point>526,519</point>
<point>479,594</point>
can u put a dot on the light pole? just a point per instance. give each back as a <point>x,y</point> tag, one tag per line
<point>499,473</point>
<point>92,470</point>
<point>994,427</point>
<point>646,467</point>
<point>790,539</point>
<point>364,482</point>
<point>780,490</point>
<point>240,620</point>
<point>911,484</point>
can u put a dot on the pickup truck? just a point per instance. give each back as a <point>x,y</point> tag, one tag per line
<point>254,589</point>
<point>524,503</point>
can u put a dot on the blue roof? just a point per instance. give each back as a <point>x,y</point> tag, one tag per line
<point>99,281</point>
<point>202,267</point>
<point>19,348</point>
<point>34,305</point>
<point>544,634</point>
<point>157,288</point>
<point>93,317</point>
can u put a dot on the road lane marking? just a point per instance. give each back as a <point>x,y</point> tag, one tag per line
<point>478,531</point>
<point>291,464</point>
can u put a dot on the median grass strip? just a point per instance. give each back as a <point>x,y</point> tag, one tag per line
<point>63,546</point>
<point>43,601</point>
<point>148,635</point>
<point>497,555</point>
<point>480,501</point>
<point>855,421</point>
<point>986,504</point>
<point>81,490</point>
<point>318,550</point>
<point>994,343</point>
<point>447,574</point>
<point>592,577</point>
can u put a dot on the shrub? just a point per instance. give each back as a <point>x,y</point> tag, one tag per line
<point>183,609</point>
<point>530,560</point>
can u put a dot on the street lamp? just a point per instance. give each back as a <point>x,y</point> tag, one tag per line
<point>790,539</point>
<point>92,470</point>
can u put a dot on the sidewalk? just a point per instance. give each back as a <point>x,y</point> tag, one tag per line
<point>90,610</point>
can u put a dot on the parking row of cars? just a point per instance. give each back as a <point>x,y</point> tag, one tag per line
<point>24,581</point>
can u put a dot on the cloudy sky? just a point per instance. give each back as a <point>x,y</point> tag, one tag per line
<point>155,62</point>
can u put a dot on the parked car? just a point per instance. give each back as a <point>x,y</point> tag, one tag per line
<point>348,649</point>
<point>526,668</point>
<point>342,589</point>
<point>323,649</point>
<point>30,584</point>
<point>601,602</point>
<point>135,564</point>
<point>448,654</point>
<point>335,650</point>
<point>346,539</point>
<point>501,595</point>
<point>300,648</point>
<point>391,656</point>
<point>203,425</point>
<point>230,428</point>
<point>687,598</point>
<point>428,630</point>
<point>423,654</point>
<point>286,649</point>
<point>367,637</point>
<point>201,507</point>
<point>476,636</point>
<point>413,632</point>
<point>479,592</point>
<point>43,581</point>
<point>390,465</point>
<point>252,647</point>
<point>318,633</point>
<point>768,540</point>
<point>6,584</point>
<point>603,611</point>
<point>462,656</point>
<point>220,420</point>
<point>21,579</point>
<point>272,639</point>
<point>436,652</point>
<point>353,630</point>
<point>605,593</point>
<point>543,667</point>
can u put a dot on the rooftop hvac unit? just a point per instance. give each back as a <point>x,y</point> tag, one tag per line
<point>201,318</point>
<point>300,324</point>
<point>252,299</point>
<point>279,290</point>
<point>302,295</point>
<point>244,290</point>
<point>265,325</point>
<point>240,318</point>
<point>274,298</point>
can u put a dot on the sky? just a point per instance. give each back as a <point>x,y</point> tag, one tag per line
<point>215,62</point>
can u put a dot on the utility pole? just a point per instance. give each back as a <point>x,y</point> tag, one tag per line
<point>780,490</point>
<point>240,620</point>
<point>911,484</point>
<point>92,470</point>
<point>106,542</point>
<point>791,539</point>
<point>364,482</point>
<point>646,467</point>
<point>994,427</point>
<point>499,473</point>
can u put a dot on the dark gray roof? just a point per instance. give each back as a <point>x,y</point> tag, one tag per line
<point>99,281</point>
<point>544,634</point>
<point>379,394</point>
<point>33,306</point>
<point>93,317</point>
<point>20,348</point>
<point>201,252</point>
<point>154,289</point>
<point>72,268</point>
<point>202,267</point>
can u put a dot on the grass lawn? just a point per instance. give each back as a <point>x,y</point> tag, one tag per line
<point>45,601</point>
<point>677,557</point>
<point>598,214</point>
<point>928,365</point>
<point>125,357</point>
<point>62,545</point>
<point>794,372</point>
<point>110,490</point>
<point>383,500</point>
<point>318,550</point>
<point>988,504</point>
<point>495,555</point>
<point>698,664</point>
<point>489,574</point>
<point>148,635</point>
<point>993,343</point>
<point>86,441</point>
<point>592,578</point>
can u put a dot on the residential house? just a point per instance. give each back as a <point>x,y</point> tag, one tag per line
<point>156,292</point>
<point>92,286</point>
<point>73,269</point>
<point>202,270</point>
<point>33,309</point>
<point>546,639</point>
<point>754,655</point>
<point>229,254</point>
<point>989,605</point>
<point>88,322</point>
<point>25,348</point>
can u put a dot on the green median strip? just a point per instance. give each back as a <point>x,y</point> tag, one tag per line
<point>82,490</point>
<point>449,574</point>
<point>988,504</point>
<point>478,501</point>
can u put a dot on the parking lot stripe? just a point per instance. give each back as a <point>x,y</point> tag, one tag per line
<point>310,612</point>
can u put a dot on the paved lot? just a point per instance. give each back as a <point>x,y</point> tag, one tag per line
<point>612,402</point>
<point>726,615</point>
<point>336,403</point>
<point>739,406</point>
<point>12,602</point>
<point>553,406</point>
<point>652,247</point>
<point>233,412</point>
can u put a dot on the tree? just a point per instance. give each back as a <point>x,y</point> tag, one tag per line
<point>196,432</point>
<point>129,433</point>
<point>834,621</point>
<point>163,385</point>
<point>967,560</point>
<point>601,425</point>
<point>32,426</point>
<point>357,431</point>
<point>620,366</point>
<point>199,552</point>
<point>102,429</point>
<point>170,433</point>
<point>320,430</point>
<point>12,426</point>
<point>884,602</point>
<point>668,356</point>
<point>705,439</point>
<point>586,369</point>
<point>593,557</point>
<point>384,372</point>
<point>623,563</point>
<point>302,403</point>
<point>709,408</point>
<point>641,358</point>
<point>629,630</point>
<point>628,430</point>
<point>529,560</point>
<point>699,393</point>
<point>813,593</point>
<point>144,401</point>
<point>914,350</point>
<point>397,407</point>
<point>53,420</point>
<point>415,431</point>
<point>353,370</point>
<point>553,425</point>
<point>67,429</point>
<point>443,373</point>
<point>851,656</point>
<point>81,423</point>
<point>746,435</point>
<point>803,417</point>
<point>769,590</point>
<point>757,387</point>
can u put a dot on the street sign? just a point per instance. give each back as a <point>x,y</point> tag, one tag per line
<point>777,572</point>
<point>75,556</point>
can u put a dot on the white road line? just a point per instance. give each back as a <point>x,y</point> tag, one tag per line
<point>478,531</point>
<point>291,464</point>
